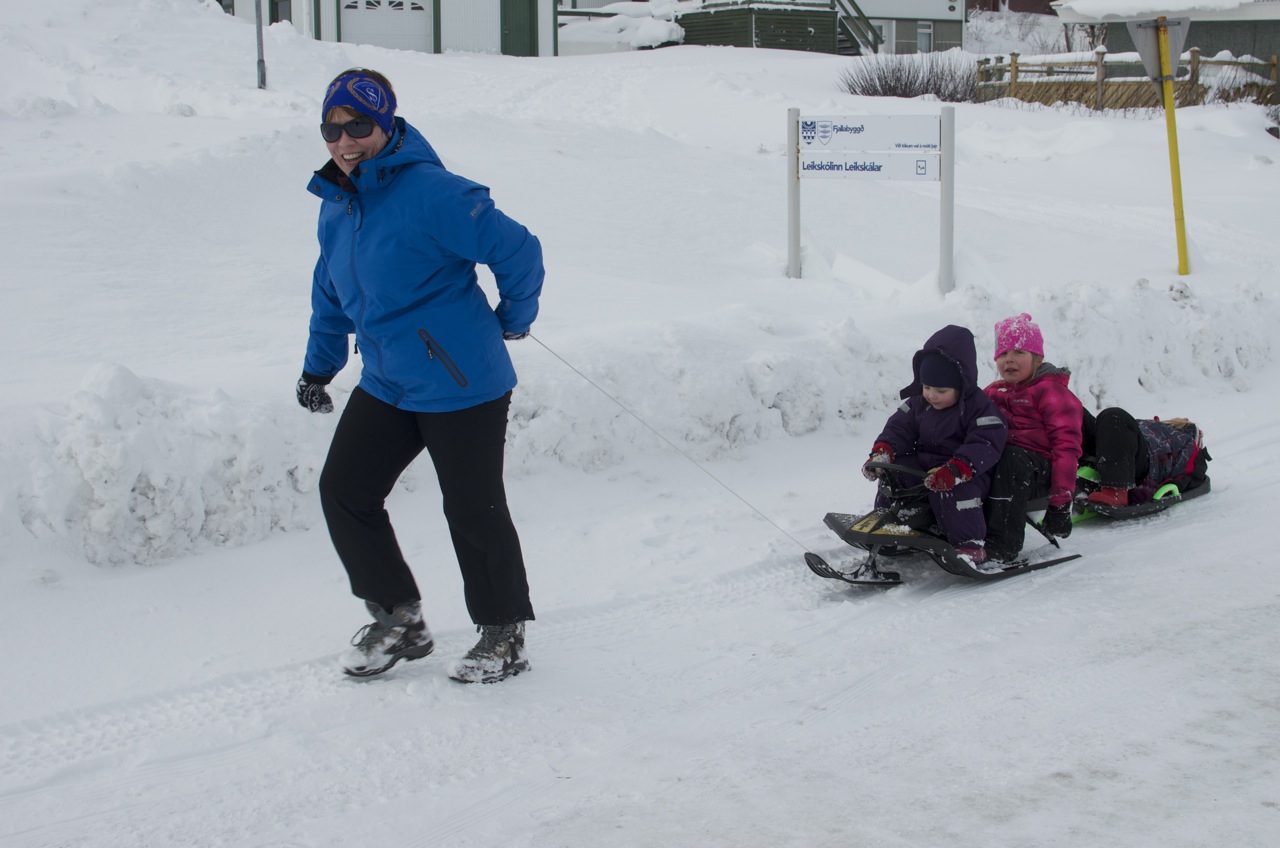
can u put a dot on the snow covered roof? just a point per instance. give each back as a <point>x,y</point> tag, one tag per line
<point>1090,11</point>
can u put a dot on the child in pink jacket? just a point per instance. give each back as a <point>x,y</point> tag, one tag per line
<point>1043,450</point>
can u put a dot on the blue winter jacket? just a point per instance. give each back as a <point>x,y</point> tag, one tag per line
<point>397,267</point>
<point>971,430</point>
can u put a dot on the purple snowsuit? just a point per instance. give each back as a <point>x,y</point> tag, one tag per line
<point>971,431</point>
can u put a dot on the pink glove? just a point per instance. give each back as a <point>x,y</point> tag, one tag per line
<point>881,452</point>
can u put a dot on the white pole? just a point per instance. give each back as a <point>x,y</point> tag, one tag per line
<point>793,193</point>
<point>947,218</point>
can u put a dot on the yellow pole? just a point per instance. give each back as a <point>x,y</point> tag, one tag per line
<point>1166,85</point>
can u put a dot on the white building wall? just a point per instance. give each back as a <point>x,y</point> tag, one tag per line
<point>546,27</point>
<point>914,10</point>
<point>302,14</point>
<point>403,26</point>
<point>328,20</point>
<point>887,32</point>
<point>468,25</point>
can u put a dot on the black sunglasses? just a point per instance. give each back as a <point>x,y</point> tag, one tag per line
<point>356,128</point>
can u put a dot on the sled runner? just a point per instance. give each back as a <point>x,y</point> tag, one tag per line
<point>906,526</point>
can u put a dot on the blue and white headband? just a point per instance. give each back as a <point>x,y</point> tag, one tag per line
<point>365,95</point>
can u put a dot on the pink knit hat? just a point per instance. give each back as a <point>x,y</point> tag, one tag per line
<point>1020,333</point>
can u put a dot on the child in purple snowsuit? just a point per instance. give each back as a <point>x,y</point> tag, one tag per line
<point>949,427</point>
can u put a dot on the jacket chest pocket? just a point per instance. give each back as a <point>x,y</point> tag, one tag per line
<point>435,351</point>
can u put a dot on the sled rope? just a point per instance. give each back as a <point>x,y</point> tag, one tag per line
<point>669,443</point>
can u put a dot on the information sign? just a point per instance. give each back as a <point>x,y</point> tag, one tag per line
<point>874,147</point>
<point>870,165</point>
<point>870,132</point>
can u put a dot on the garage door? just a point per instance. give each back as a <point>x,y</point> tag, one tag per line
<point>403,24</point>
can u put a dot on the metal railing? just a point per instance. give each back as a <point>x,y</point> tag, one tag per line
<point>857,25</point>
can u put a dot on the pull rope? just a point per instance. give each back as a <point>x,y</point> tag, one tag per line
<point>670,443</point>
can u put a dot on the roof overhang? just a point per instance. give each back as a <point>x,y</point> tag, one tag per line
<point>1105,11</point>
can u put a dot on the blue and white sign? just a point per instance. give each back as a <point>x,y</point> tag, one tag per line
<point>871,132</point>
<point>874,147</point>
<point>870,165</point>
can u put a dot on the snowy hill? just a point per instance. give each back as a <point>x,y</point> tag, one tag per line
<point>685,417</point>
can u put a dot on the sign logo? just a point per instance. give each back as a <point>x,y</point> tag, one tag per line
<point>820,131</point>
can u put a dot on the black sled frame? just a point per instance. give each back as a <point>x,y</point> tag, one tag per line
<point>906,526</point>
<point>1159,503</point>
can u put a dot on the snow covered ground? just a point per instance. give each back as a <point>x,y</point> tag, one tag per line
<point>172,609</point>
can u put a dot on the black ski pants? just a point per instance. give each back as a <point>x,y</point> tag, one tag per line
<point>1119,450</point>
<point>373,444</point>
<point>1020,476</point>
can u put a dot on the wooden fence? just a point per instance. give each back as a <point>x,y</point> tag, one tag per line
<point>1106,83</point>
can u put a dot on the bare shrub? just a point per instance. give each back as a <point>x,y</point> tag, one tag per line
<point>951,76</point>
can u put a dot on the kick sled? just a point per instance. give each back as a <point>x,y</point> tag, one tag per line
<point>906,526</point>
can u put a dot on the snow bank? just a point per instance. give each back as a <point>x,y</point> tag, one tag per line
<point>631,26</point>
<point>138,470</point>
<point>135,470</point>
<point>705,392</point>
<point>669,322</point>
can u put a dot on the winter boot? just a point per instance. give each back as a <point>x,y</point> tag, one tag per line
<point>977,554</point>
<point>393,636</point>
<point>498,655</point>
<point>1107,496</point>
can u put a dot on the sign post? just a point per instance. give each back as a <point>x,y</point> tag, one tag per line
<point>947,203</point>
<point>793,193</point>
<point>873,147</point>
<point>262,62</point>
<point>1159,44</point>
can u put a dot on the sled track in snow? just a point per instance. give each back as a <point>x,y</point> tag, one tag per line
<point>164,768</point>
<point>868,608</point>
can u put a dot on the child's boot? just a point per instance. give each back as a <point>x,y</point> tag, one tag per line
<point>1109,496</point>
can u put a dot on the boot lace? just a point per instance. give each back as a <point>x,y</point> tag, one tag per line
<point>369,635</point>
<point>490,640</point>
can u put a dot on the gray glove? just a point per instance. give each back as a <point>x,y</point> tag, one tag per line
<point>312,394</point>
